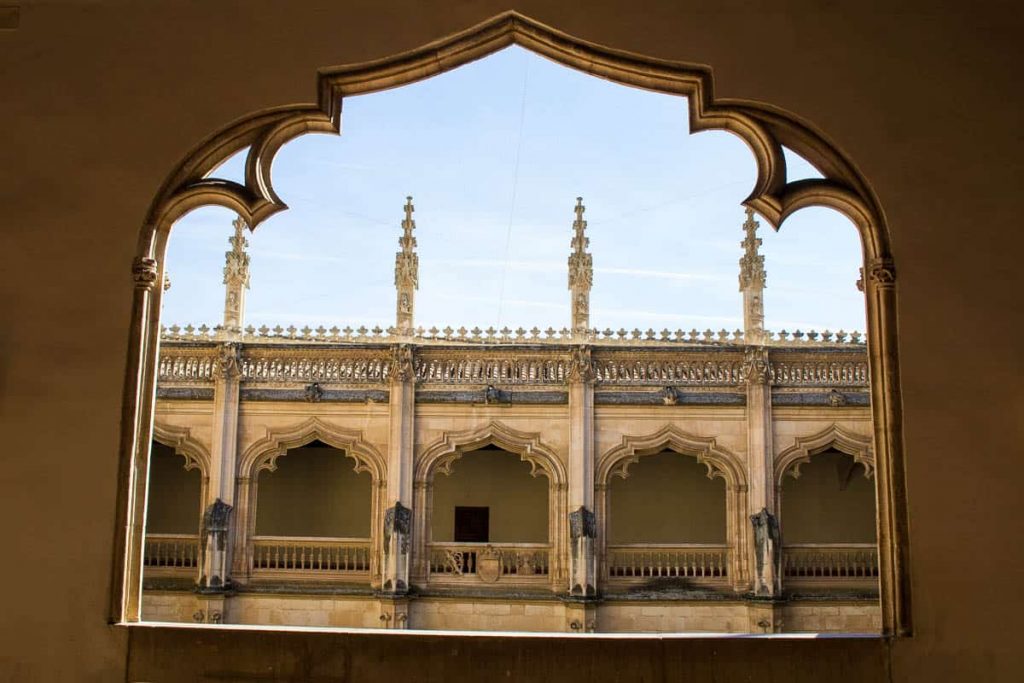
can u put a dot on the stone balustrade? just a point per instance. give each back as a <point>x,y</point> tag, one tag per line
<point>830,562</point>
<point>171,552</point>
<point>508,562</point>
<point>310,555</point>
<point>642,562</point>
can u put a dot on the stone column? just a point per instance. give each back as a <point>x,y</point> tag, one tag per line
<point>582,523</point>
<point>397,536</point>
<point>215,558</point>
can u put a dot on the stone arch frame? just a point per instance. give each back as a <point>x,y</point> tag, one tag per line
<point>765,129</point>
<point>789,460</point>
<point>196,455</point>
<point>263,455</point>
<point>720,463</point>
<point>439,456</point>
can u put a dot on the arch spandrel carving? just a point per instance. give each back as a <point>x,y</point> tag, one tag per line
<point>263,454</point>
<point>719,461</point>
<point>181,440</point>
<point>858,446</point>
<point>439,456</point>
<point>765,130</point>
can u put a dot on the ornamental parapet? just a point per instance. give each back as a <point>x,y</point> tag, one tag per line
<point>651,364</point>
<point>505,336</point>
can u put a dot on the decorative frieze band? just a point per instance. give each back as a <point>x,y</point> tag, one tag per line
<point>507,367</point>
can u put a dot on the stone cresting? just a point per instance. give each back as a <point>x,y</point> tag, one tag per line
<point>463,336</point>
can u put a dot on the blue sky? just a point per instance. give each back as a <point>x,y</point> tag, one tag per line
<point>494,155</point>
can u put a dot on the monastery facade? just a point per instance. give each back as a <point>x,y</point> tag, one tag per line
<point>574,480</point>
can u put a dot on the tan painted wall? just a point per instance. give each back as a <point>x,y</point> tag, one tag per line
<point>174,504</point>
<point>667,498</point>
<point>103,98</point>
<point>314,492</point>
<point>816,510</point>
<point>499,480</point>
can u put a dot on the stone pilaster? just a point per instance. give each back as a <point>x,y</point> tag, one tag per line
<point>407,266</point>
<point>582,526</point>
<point>215,562</point>
<point>764,555</point>
<point>752,280</point>
<point>397,521</point>
<point>581,274</point>
<point>236,278</point>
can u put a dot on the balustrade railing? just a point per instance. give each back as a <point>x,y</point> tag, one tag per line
<point>830,562</point>
<point>642,562</point>
<point>309,554</point>
<point>171,551</point>
<point>490,561</point>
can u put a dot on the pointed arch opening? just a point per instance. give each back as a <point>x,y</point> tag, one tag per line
<point>764,129</point>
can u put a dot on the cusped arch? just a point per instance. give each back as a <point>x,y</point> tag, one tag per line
<point>263,454</point>
<point>719,461</point>
<point>858,446</point>
<point>764,128</point>
<point>181,440</point>
<point>442,454</point>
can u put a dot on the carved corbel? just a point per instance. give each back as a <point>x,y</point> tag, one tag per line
<point>144,273</point>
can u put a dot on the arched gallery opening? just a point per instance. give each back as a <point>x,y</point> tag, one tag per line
<point>667,519</point>
<point>174,509</point>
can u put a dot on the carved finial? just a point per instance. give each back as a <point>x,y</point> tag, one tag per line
<point>581,272</point>
<point>236,276</point>
<point>407,265</point>
<point>752,280</point>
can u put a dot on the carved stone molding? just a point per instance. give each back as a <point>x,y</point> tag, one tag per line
<point>402,364</point>
<point>229,361</point>
<point>144,272</point>
<point>719,461</point>
<point>756,367</point>
<point>859,446</point>
<point>582,523</point>
<point>581,368</point>
<point>263,454</point>
<point>180,439</point>
<point>441,455</point>
<point>881,272</point>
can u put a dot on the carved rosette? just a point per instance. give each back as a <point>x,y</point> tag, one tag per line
<point>581,367</point>
<point>756,368</point>
<point>144,273</point>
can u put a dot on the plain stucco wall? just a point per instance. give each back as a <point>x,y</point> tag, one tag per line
<point>102,99</point>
